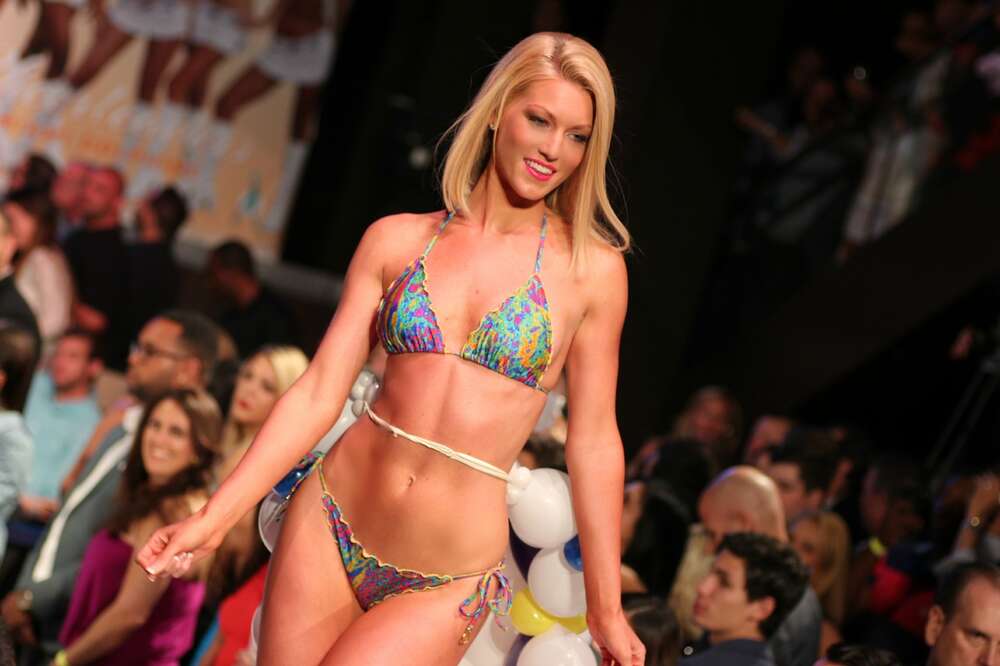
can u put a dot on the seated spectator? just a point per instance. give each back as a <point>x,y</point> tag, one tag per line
<point>963,626</point>
<point>17,361</point>
<point>821,540</point>
<point>743,499</point>
<point>854,452</point>
<point>656,626</point>
<point>658,515</point>
<point>713,417</point>
<point>154,275</point>
<point>768,432</point>
<point>116,614</point>
<point>802,469</point>
<point>14,309</point>
<point>41,271</point>
<point>99,263</point>
<point>236,612</point>
<point>843,654</point>
<point>36,172</point>
<point>256,317</point>
<point>175,350</point>
<point>263,379</point>
<point>754,584</point>
<point>67,196</point>
<point>60,412</point>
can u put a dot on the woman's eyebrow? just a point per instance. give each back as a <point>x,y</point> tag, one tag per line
<point>538,107</point>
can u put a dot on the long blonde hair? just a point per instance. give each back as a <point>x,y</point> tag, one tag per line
<point>288,364</point>
<point>583,198</point>
<point>830,580</point>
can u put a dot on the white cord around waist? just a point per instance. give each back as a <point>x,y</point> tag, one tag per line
<point>464,458</point>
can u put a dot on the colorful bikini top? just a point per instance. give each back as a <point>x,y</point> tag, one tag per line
<point>514,339</point>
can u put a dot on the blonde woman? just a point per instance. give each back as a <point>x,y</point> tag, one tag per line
<point>527,278</point>
<point>823,543</point>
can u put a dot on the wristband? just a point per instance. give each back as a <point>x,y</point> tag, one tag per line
<point>973,523</point>
<point>61,659</point>
<point>876,547</point>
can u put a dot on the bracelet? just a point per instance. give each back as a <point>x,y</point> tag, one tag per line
<point>61,659</point>
<point>973,523</point>
<point>876,547</point>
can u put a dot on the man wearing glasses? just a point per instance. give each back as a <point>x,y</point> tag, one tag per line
<point>174,350</point>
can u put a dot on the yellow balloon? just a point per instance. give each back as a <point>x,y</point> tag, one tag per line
<point>527,617</point>
<point>575,624</point>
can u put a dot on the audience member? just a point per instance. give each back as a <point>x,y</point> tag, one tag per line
<point>41,271</point>
<point>99,262</point>
<point>743,499</point>
<point>963,626</point>
<point>256,317</point>
<point>67,196</point>
<point>754,584</point>
<point>228,646</point>
<point>768,432</point>
<point>14,309</point>
<point>61,412</point>
<point>978,537</point>
<point>802,469</point>
<point>153,272</point>
<point>116,614</point>
<point>17,360</point>
<point>822,542</point>
<point>854,451</point>
<point>543,451</point>
<point>175,350</point>
<point>843,654</point>
<point>656,626</point>
<point>36,172</point>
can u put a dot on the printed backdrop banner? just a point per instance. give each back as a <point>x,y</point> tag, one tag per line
<point>216,97</point>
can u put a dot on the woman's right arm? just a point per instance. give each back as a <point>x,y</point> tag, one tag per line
<point>297,422</point>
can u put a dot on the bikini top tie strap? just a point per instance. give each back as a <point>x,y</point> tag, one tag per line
<point>464,458</point>
<point>541,242</point>
<point>430,243</point>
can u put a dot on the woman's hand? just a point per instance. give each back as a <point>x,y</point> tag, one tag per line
<point>985,497</point>
<point>173,549</point>
<point>615,639</point>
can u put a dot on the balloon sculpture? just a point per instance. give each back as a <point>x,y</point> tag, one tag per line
<point>548,616</point>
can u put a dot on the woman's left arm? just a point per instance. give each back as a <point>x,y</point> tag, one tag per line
<point>129,610</point>
<point>594,454</point>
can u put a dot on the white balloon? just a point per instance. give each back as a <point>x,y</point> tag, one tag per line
<point>556,647</point>
<point>491,645</point>
<point>555,585</point>
<point>542,514</point>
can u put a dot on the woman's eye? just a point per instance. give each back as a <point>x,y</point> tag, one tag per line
<point>580,138</point>
<point>538,120</point>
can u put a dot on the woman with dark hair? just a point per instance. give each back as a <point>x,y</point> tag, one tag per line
<point>117,615</point>
<point>41,272</point>
<point>17,362</point>
<point>657,627</point>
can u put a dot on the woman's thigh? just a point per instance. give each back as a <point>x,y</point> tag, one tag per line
<point>308,599</point>
<point>414,628</point>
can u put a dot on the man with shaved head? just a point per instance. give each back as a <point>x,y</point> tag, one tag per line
<point>744,499</point>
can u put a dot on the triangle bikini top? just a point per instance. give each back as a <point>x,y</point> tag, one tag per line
<point>514,339</point>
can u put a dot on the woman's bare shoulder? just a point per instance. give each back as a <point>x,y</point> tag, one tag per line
<point>400,227</point>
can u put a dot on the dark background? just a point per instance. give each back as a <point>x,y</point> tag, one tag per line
<point>406,69</point>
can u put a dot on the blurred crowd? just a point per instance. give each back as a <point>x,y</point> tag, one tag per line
<point>119,412</point>
<point>844,152</point>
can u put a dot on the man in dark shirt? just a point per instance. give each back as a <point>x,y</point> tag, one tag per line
<point>154,277</point>
<point>14,310</point>
<point>97,257</point>
<point>754,583</point>
<point>257,316</point>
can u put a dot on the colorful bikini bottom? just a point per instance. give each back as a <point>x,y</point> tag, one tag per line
<point>375,581</point>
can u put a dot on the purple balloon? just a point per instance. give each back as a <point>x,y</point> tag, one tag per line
<point>571,551</point>
<point>523,553</point>
<point>515,650</point>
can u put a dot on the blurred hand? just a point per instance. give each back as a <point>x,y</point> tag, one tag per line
<point>39,508</point>
<point>173,549</point>
<point>18,622</point>
<point>986,496</point>
<point>618,644</point>
<point>246,658</point>
<point>89,318</point>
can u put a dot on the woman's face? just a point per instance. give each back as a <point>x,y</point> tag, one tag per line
<point>806,542</point>
<point>542,137</point>
<point>167,444</point>
<point>709,420</point>
<point>255,393</point>
<point>22,225</point>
